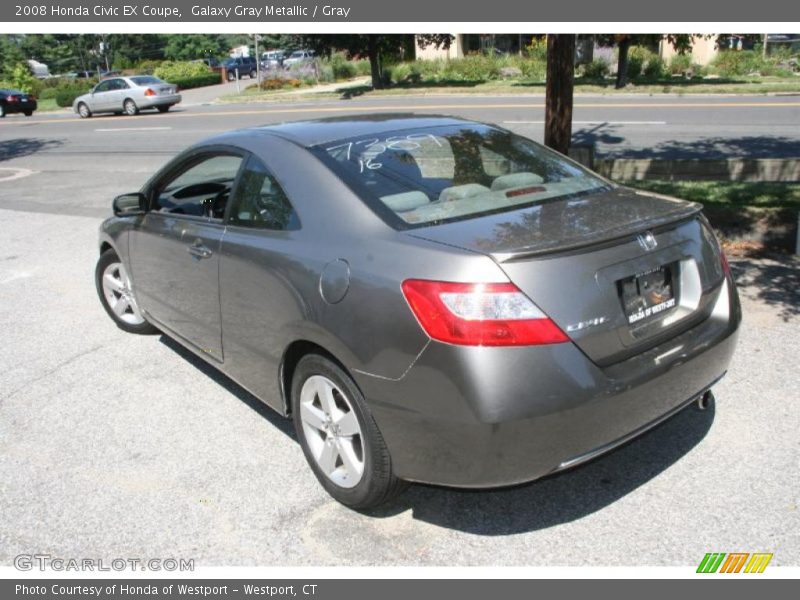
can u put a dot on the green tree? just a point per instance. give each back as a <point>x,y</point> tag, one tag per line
<point>682,42</point>
<point>193,46</point>
<point>376,47</point>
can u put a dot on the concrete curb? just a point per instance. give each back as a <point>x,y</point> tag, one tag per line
<point>731,169</point>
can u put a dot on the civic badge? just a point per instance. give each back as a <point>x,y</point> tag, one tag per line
<point>647,240</point>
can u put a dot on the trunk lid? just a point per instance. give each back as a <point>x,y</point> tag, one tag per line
<point>618,271</point>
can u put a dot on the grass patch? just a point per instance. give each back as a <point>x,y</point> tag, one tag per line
<point>521,87</point>
<point>47,105</point>
<point>731,194</point>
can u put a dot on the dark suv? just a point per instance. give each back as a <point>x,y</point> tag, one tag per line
<point>245,65</point>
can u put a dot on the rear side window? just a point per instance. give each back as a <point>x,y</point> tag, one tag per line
<point>260,202</point>
<point>422,177</point>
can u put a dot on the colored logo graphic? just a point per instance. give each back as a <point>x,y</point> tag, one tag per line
<point>734,562</point>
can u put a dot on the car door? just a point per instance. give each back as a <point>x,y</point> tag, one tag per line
<point>258,280</point>
<point>119,91</point>
<point>175,249</point>
<point>102,96</point>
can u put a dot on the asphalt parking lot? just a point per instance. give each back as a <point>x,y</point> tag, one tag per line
<point>113,445</point>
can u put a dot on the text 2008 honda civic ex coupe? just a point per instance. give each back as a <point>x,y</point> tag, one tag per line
<point>430,299</point>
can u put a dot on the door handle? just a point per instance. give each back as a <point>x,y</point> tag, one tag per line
<point>200,251</point>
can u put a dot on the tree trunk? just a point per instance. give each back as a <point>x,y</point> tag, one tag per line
<point>558,100</point>
<point>375,63</point>
<point>622,63</point>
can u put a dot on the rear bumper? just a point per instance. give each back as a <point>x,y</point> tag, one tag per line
<point>485,417</point>
<point>21,107</point>
<point>155,101</point>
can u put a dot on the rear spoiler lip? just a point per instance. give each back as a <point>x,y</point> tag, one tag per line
<point>609,236</point>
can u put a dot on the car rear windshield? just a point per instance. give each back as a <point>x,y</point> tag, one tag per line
<point>146,80</point>
<point>421,177</point>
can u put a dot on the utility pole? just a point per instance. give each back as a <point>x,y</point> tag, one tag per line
<point>257,37</point>
<point>558,99</point>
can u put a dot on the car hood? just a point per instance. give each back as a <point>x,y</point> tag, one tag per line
<point>561,224</point>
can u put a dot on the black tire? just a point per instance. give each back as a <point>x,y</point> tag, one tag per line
<point>107,258</point>
<point>28,113</point>
<point>378,483</point>
<point>130,108</point>
<point>83,111</point>
<point>2,111</point>
<point>253,74</point>
<point>231,76</point>
<point>163,109</point>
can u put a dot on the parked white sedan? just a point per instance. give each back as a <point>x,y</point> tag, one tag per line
<point>127,95</point>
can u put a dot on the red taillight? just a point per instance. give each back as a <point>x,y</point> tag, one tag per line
<point>11,99</point>
<point>479,314</point>
<point>149,92</point>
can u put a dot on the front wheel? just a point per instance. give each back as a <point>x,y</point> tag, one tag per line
<point>130,108</point>
<point>116,295</point>
<point>339,437</point>
<point>84,111</point>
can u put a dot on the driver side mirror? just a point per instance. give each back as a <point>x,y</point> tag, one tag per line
<point>130,205</point>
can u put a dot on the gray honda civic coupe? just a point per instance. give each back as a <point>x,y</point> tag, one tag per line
<point>430,299</point>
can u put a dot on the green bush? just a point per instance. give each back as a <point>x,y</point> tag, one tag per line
<point>148,67</point>
<point>475,67</point>
<point>735,63</point>
<point>400,73</point>
<point>655,68</point>
<point>327,73</point>
<point>173,71</point>
<point>66,95</point>
<point>638,58</point>
<point>187,83</point>
<point>533,69</point>
<point>680,63</point>
<point>537,49</point>
<point>597,69</point>
<point>19,77</point>
<point>362,67</point>
<point>341,68</point>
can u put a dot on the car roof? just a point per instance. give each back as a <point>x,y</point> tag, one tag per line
<point>319,131</point>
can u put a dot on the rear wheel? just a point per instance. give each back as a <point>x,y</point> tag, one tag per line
<point>130,108</point>
<point>2,111</point>
<point>28,113</point>
<point>83,111</point>
<point>116,295</point>
<point>163,109</point>
<point>339,437</point>
<point>253,74</point>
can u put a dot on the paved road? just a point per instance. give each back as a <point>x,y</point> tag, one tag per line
<point>112,154</point>
<point>114,445</point>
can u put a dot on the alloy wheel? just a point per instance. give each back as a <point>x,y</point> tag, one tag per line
<point>118,294</point>
<point>332,431</point>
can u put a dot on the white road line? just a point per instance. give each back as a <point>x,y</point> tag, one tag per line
<point>592,122</point>
<point>134,129</point>
<point>13,174</point>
